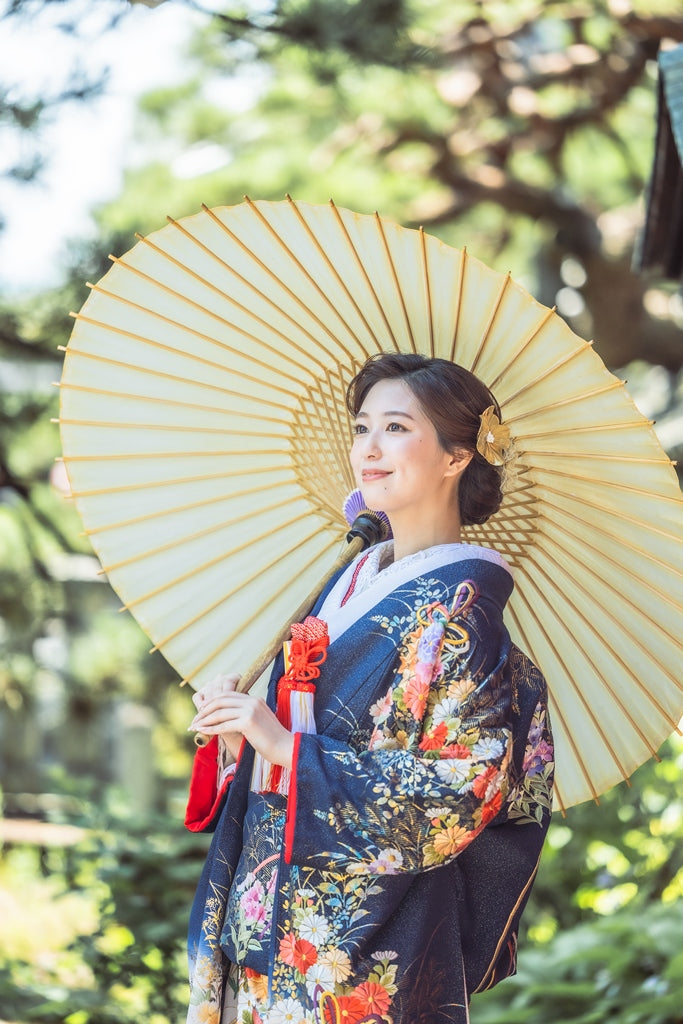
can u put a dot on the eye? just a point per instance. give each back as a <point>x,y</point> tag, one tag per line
<point>395,427</point>
<point>360,428</point>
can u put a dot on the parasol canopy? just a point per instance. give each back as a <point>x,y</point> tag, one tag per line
<point>205,439</point>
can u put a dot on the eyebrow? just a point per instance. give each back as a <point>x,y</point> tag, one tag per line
<point>389,412</point>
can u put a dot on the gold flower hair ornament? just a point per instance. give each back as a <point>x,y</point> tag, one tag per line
<point>493,439</point>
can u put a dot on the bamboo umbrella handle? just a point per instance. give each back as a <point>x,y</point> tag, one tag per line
<point>257,667</point>
<point>247,680</point>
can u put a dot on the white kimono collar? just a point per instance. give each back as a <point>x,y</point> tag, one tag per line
<point>340,618</point>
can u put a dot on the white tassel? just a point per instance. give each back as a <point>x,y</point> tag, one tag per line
<point>302,717</point>
<point>295,698</point>
<point>260,774</point>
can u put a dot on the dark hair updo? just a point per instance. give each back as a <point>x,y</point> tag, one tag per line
<point>453,399</point>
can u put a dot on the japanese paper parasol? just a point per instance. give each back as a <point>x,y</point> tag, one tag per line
<point>205,440</point>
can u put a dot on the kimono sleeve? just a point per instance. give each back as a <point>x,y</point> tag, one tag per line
<point>436,770</point>
<point>498,870</point>
<point>206,797</point>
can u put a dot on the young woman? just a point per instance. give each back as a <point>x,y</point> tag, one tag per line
<point>374,867</point>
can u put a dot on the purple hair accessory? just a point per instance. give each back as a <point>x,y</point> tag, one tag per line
<point>354,506</point>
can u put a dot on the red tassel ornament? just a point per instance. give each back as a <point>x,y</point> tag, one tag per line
<point>304,654</point>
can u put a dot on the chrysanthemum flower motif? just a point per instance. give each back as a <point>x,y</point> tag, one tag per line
<point>448,841</point>
<point>415,696</point>
<point>375,997</point>
<point>435,738</point>
<point>384,955</point>
<point>315,928</point>
<point>437,812</point>
<point>286,1011</point>
<point>257,985</point>
<point>388,862</point>
<point>461,688</point>
<point>445,710</point>
<point>392,857</point>
<point>487,748</point>
<point>493,438</point>
<point>298,953</point>
<point>204,1013</point>
<point>338,963</point>
<point>349,1009</point>
<point>453,771</point>
<point>319,978</point>
<point>487,783</point>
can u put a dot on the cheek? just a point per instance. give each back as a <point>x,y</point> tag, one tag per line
<point>416,453</point>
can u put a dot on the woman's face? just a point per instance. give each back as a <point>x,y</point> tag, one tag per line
<point>397,459</point>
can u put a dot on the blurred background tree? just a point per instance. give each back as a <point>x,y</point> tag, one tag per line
<point>521,129</point>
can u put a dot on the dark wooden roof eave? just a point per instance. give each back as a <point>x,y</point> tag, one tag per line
<point>661,242</point>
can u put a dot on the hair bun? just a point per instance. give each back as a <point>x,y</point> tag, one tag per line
<point>480,493</point>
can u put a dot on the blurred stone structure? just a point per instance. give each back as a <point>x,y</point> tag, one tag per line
<point>69,741</point>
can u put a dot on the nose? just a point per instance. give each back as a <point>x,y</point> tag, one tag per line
<point>365,446</point>
<point>371,448</point>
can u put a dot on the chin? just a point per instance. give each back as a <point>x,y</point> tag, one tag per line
<point>374,504</point>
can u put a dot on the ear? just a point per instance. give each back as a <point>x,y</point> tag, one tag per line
<point>458,461</point>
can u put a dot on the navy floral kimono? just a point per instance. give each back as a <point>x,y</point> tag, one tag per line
<point>389,884</point>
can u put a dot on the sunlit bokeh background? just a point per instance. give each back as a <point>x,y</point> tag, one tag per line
<point>523,130</point>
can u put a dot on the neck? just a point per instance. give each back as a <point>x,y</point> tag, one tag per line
<point>412,537</point>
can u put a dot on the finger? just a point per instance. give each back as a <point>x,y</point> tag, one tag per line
<point>222,683</point>
<point>228,708</point>
<point>224,701</point>
<point>217,725</point>
<point>226,715</point>
<point>217,730</point>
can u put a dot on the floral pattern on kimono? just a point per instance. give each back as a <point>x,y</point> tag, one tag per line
<point>532,797</point>
<point>425,752</point>
<point>436,768</point>
<point>313,949</point>
<point>249,912</point>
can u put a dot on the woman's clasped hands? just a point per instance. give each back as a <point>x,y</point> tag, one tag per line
<point>223,712</point>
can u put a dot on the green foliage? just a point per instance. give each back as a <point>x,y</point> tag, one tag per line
<point>364,31</point>
<point>150,873</point>
<point>626,969</point>
<point>626,851</point>
<point>510,127</point>
<point>126,959</point>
